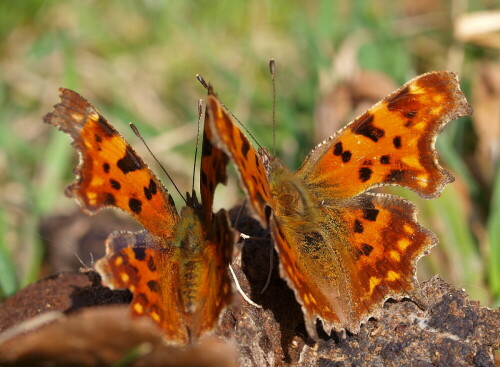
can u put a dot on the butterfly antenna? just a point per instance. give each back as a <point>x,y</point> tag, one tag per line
<point>138,134</point>
<point>85,266</point>
<point>271,267</point>
<point>208,87</point>
<point>200,107</point>
<point>237,220</point>
<point>272,70</point>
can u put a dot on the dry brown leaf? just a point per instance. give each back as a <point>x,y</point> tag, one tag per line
<point>480,28</point>
<point>486,118</point>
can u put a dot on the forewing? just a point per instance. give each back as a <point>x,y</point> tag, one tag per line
<point>110,173</point>
<point>213,168</point>
<point>392,143</point>
<point>214,292</point>
<point>225,135</point>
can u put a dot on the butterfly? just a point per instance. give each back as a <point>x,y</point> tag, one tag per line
<point>342,249</point>
<point>176,268</point>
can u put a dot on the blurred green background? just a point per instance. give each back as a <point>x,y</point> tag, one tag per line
<point>136,62</point>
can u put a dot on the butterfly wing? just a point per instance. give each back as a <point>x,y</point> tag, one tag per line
<point>213,293</point>
<point>143,264</point>
<point>226,136</point>
<point>110,173</point>
<point>213,166</point>
<point>392,143</point>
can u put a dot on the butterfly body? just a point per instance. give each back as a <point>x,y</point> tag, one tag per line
<point>176,268</point>
<point>344,250</point>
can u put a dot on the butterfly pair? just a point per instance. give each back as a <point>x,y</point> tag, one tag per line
<point>342,250</point>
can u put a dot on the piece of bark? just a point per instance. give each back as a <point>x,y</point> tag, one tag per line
<point>105,336</point>
<point>64,292</point>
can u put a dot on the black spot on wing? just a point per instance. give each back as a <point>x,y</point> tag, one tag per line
<point>109,199</point>
<point>115,184</point>
<point>206,148</point>
<point>106,167</point>
<point>139,253</point>
<point>135,205</point>
<point>97,138</point>
<point>147,193</point>
<point>337,150</point>
<point>364,126</point>
<point>346,156</point>
<point>366,249</point>
<point>370,213</point>
<point>152,187</point>
<point>385,159</point>
<point>397,142</point>
<point>246,146</point>
<point>358,226</point>
<point>129,162</point>
<point>365,173</point>
<point>151,264</point>
<point>154,286</point>
<point>410,114</point>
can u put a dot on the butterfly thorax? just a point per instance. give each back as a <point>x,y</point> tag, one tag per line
<point>292,203</point>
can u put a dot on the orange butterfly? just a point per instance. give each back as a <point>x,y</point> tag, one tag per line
<point>342,250</point>
<point>177,267</point>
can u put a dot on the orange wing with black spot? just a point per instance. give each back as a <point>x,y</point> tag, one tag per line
<point>213,164</point>
<point>110,173</point>
<point>225,135</point>
<point>392,143</point>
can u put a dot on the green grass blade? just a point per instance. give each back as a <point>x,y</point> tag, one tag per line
<point>8,276</point>
<point>493,228</point>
